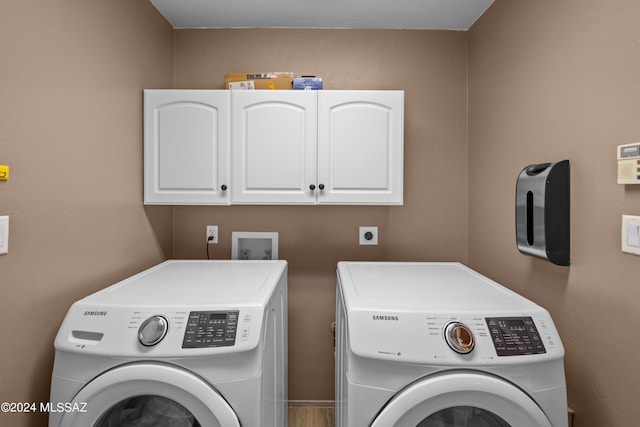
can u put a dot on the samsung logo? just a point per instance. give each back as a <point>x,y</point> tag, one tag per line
<point>95,313</point>
<point>378,317</point>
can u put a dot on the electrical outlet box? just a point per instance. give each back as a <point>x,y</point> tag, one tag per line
<point>212,234</point>
<point>368,235</point>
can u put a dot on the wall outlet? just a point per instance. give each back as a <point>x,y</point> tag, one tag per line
<point>368,235</point>
<point>212,234</point>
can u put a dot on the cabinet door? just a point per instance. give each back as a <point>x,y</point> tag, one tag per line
<point>273,151</point>
<point>186,147</point>
<point>360,147</point>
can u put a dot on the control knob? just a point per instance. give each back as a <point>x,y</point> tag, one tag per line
<point>153,330</point>
<point>459,337</point>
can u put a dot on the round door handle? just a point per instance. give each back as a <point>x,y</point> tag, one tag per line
<point>312,187</point>
<point>223,187</point>
<point>321,186</point>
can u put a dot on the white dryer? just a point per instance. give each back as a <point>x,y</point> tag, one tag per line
<point>439,345</point>
<point>182,344</point>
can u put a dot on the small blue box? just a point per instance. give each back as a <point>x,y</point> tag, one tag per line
<point>307,83</point>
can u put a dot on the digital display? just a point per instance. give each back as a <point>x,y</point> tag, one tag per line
<point>633,151</point>
<point>515,336</point>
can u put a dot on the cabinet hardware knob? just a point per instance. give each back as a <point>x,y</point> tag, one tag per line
<point>312,187</point>
<point>223,187</point>
<point>321,186</point>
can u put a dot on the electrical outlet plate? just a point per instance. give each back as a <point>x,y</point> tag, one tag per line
<point>368,235</point>
<point>212,231</point>
<point>630,235</point>
<point>4,234</point>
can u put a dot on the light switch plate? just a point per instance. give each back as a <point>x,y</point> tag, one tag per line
<point>630,235</point>
<point>4,234</point>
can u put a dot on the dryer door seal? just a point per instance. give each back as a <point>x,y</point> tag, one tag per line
<point>189,392</point>
<point>420,403</point>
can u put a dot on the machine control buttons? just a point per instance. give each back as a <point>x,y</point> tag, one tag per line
<point>459,337</point>
<point>153,330</point>
<point>244,334</point>
<point>211,329</point>
<point>515,336</point>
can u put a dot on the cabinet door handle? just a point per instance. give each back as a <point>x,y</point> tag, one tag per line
<point>312,187</point>
<point>321,186</point>
<point>223,187</point>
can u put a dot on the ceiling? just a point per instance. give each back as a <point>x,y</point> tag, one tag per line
<point>387,14</point>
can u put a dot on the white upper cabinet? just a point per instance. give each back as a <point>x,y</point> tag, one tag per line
<point>273,147</point>
<point>208,147</point>
<point>186,147</point>
<point>360,147</point>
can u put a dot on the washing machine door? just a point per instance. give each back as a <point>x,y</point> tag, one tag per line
<point>461,399</point>
<point>148,395</point>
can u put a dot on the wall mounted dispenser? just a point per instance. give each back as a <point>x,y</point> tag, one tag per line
<point>542,211</point>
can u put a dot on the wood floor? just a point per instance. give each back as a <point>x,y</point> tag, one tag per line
<point>315,415</point>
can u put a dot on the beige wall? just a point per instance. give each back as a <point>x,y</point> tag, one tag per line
<point>549,81</point>
<point>431,225</point>
<point>71,75</point>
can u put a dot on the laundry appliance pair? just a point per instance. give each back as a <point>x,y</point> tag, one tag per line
<point>182,344</point>
<point>204,344</point>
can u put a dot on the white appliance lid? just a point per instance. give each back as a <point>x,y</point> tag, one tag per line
<point>421,286</point>
<point>187,282</point>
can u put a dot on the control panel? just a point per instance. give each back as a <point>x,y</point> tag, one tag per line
<point>210,329</point>
<point>514,336</point>
<point>629,164</point>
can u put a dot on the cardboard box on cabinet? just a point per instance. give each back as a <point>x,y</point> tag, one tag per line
<point>267,80</point>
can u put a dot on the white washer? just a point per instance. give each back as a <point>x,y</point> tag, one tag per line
<point>439,345</point>
<point>183,344</point>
